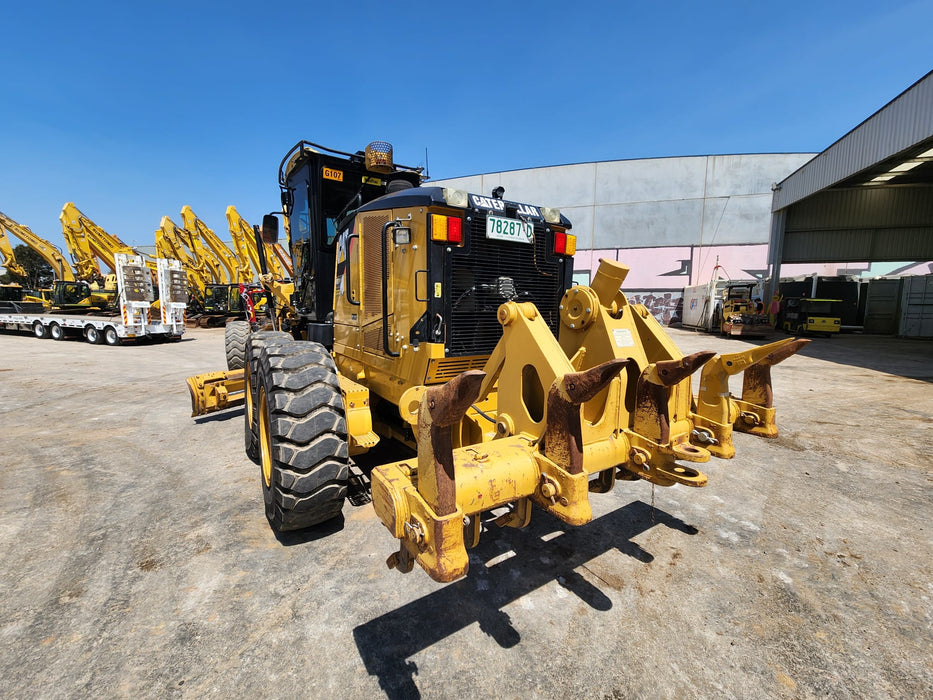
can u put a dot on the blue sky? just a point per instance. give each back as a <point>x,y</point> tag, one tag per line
<point>133,110</point>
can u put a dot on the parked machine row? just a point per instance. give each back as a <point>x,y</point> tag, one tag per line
<point>221,284</point>
<point>134,318</point>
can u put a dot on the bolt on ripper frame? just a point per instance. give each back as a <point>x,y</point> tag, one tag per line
<point>448,321</point>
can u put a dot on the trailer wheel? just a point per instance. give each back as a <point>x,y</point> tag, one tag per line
<point>93,335</point>
<point>254,343</point>
<point>56,332</point>
<point>40,330</point>
<point>110,336</point>
<point>236,334</point>
<point>302,436</point>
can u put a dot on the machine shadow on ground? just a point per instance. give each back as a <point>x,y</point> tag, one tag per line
<point>387,643</point>
<point>221,416</point>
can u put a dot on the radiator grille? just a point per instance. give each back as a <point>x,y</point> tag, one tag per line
<point>485,275</point>
<point>446,369</point>
<point>371,251</point>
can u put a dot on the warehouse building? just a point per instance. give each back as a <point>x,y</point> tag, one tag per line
<point>860,209</point>
<point>863,203</point>
<point>671,220</point>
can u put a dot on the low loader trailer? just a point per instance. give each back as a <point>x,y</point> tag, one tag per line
<point>133,319</point>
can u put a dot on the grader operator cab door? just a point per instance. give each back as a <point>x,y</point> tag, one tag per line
<point>320,193</point>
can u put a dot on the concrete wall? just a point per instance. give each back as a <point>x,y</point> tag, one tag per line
<point>669,219</point>
<point>653,203</point>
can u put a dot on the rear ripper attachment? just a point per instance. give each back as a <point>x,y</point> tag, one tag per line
<point>611,399</point>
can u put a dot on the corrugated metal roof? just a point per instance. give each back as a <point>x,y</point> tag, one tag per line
<point>904,122</point>
<point>863,207</point>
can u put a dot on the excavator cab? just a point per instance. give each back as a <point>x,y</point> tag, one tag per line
<point>79,294</point>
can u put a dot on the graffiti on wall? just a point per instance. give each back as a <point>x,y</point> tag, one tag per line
<point>666,307</point>
<point>657,276</point>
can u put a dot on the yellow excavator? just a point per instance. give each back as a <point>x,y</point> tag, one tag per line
<point>448,321</point>
<point>231,269</point>
<point>248,249</point>
<point>232,292</point>
<point>14,293</point>
<point>70,291</point>
<point>8,257</point>
<point>169,244</point>
<point>61,269</point>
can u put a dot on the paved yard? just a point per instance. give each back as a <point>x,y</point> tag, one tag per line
<point>136,560</point>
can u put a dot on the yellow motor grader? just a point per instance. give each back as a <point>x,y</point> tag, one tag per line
<point>448,321</point>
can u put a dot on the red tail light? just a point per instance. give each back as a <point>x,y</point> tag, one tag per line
<point>446,228</point>
<point>564,243</point>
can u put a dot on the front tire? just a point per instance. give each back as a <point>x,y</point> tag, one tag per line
<point>254,344</point>
<point>303,449</point>
<point>236,335</point>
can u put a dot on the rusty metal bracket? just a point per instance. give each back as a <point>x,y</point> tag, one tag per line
<point>716,413</point>
<point>441,408</point>
<point>562,442</point>
<point>756,407</point>
<point>652,394</point>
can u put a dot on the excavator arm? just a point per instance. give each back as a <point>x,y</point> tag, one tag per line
<point>232,271</point>
<point>75,233</point>
<point>60,266</point>
<point>169,245</point>
<point>244,239</point>
<point>202,255</point>
<point>101,244</point>
<point>7,257</point>
<point>242,234</point>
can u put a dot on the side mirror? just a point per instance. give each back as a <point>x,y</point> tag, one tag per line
<point>288,200</point>
<point>270,229</point>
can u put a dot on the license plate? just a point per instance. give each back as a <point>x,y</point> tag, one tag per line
<point>512,230</point>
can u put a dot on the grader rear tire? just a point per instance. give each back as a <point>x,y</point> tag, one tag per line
<point>254,343</point>
<point>236,334</point>
<point>302,436</point>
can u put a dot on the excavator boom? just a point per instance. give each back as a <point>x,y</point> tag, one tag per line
<point>60,267</point>
<point>244,239</point>
<point>8,258</point>
<point>232,270</point>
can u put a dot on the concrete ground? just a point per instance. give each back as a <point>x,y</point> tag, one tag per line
<point>135,559</point>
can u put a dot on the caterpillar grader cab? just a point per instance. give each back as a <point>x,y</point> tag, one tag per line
<point>448,321</point>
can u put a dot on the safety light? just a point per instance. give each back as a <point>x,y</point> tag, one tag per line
<point>379,157</point>
<point>564,243</point>
<point>448,229</point>
<point>550,214</point>
<point>456,198</point>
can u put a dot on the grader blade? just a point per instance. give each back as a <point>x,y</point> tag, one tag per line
<point>215,391</point>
